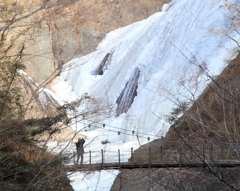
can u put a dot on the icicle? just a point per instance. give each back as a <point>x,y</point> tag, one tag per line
<point>100,69</point>
<point>128,94</point>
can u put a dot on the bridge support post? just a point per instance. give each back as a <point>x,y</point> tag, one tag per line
<point>131,154</point>
<point>149,157</point>
<point>161,153</point>
<point>180,156</point>
<point>90,155</point>
<point>222,152</point>
<point>119,161</point>
<point>211,153</point>
<point>102,157</point>
<point>74,155</point>
<point>191,147</point>
<point>203,152</point>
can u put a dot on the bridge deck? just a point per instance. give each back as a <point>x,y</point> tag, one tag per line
<point>126,165</point>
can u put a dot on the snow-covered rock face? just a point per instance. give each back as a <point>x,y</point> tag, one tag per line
<point>144,69</point>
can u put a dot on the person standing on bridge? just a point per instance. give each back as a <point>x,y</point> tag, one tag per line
<point>80,150</point>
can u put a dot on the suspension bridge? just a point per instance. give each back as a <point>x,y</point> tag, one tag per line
<point>190,156</point>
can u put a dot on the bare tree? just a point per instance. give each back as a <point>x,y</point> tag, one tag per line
<point>24,118</point>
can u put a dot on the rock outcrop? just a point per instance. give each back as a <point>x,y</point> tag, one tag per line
<point>75,28</point>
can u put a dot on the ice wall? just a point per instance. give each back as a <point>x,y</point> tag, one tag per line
<point>154,64</point>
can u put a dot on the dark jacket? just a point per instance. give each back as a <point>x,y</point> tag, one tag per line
<point>79,145</point>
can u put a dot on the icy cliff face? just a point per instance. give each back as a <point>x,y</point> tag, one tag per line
<point>148,67</point>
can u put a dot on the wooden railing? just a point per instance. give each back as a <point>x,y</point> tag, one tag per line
<point>169,156</point>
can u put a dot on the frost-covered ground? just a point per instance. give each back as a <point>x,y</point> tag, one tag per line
<point>94,181</point>
<point>163,54</point>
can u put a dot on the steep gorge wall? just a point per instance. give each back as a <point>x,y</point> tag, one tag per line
<point>76,29</point>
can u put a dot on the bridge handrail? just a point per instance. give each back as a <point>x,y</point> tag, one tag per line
<point>173,154</point>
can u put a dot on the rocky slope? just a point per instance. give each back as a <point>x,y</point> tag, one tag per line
<point>172,179</point>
